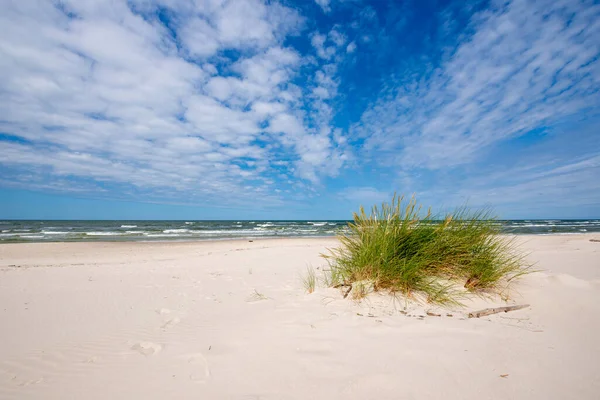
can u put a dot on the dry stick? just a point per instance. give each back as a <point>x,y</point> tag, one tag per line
<point>348,291</point>
<point>340,285</point>
<point>490,311</point>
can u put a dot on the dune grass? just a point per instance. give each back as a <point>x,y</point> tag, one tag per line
<point>399,248</point>
<point>309,280</point>
<point>257,296</point>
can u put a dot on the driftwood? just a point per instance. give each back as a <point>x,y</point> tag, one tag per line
<point>594,240</point>
<point>490,311</point>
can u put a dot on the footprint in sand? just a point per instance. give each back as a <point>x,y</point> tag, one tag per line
<point>30,382</point>
<point>147,348</point>
<point>170,323</point>
<point>201,371</point>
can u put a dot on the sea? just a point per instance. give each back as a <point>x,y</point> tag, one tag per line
<point>89,231</point>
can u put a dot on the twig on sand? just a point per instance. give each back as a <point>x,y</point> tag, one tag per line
<point>490,311</point>
<point>348,291</point>
<point>341,285</point>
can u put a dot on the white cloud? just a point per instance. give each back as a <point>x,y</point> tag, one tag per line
<point>328,45</point>
<point>286,124</point>
<point>351,48</point>
<point>238,24</point>
<point>337,37</point>
<point>527,65</point>
<point>199,37</point>
<point>324,4</point>
<point>531,189</point>
<point>263,109</point>
<point>104,91</point>
<point>323,51</point>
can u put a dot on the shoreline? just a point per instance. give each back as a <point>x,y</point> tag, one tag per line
<point>263,238</point>
<point>192,240</point>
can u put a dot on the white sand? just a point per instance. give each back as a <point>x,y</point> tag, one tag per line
<point>183,321</point>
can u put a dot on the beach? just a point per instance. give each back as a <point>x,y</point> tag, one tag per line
<point>232,320</point>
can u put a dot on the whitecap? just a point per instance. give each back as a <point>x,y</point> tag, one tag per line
<point>161,235</point>
<point>103,233</point>
<point>176,230</point>
<point>534,225</point>
<point>55,233</point>
<point>128,226</point>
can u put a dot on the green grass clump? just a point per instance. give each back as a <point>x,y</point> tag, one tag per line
<point>309,280</point>
<point>397,249</point>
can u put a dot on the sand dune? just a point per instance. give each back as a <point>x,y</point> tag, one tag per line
<point>230,320</point>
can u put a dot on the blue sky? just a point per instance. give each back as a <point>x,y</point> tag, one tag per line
<point>160,109</point>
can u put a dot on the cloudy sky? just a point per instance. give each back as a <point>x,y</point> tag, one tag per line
<point>266,109</point>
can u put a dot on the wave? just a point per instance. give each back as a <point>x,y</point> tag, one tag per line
<point>563,225</point>
<point>213,230</point>
<point>162,235</point>
<point>532,225</point>
<point>557,233</point>
<point>231,232</point>
<point>104,233</point>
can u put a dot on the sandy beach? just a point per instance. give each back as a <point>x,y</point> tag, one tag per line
<point>231,320</point>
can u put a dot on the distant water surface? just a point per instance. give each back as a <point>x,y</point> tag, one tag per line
<point>78,231</point>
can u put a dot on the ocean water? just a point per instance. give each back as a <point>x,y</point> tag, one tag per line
<point>77,231</point>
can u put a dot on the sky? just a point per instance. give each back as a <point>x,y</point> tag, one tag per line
<point>248,109</point>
